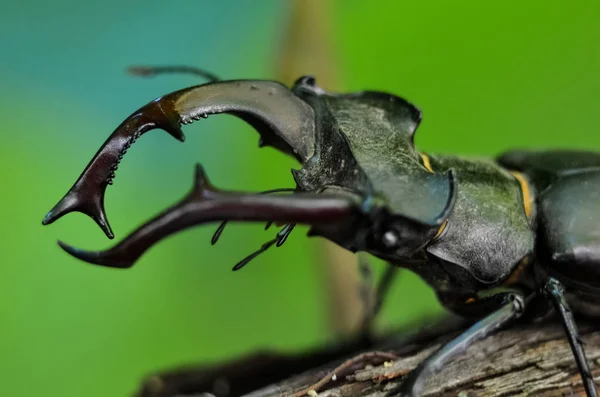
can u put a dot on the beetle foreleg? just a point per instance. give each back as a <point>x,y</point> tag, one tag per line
<point>151,71</point>
<point>555,292</point>
<point>509,306</point>
<point>206,204</point>
<point>380,292</point>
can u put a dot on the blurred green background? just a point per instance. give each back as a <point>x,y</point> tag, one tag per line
<point>488,76</point>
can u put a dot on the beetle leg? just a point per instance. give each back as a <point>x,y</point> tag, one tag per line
<point>556,294</point>
<point>206,204</point>
<point>509,306</point>
<point>151,71</point>
<point>380,293</point>
<point>283,120</point>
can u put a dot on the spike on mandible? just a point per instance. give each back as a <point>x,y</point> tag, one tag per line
<point>91,206</point>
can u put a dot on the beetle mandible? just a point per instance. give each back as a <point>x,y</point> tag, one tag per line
<point>489,235</point>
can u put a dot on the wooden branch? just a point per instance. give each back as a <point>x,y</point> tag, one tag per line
<point>525,360</point>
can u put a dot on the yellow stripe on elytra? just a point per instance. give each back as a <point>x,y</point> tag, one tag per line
<point>426,162</point>
<point>527,197</point>
<point>440,230</point>
<point>427,165</point>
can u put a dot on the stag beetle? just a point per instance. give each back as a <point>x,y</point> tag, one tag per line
<point>491,236</point>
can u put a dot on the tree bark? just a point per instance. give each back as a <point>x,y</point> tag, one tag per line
<point>525,360</point>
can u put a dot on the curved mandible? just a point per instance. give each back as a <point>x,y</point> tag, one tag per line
<point>282,119</point>
<point>206,204</point>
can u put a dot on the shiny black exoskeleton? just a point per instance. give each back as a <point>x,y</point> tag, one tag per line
<point>489,235</point>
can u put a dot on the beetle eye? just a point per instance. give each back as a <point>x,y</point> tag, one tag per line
<point>390,239</point>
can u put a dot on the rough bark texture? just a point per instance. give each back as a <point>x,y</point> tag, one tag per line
<point>528,360</point>
<point>523,360</point>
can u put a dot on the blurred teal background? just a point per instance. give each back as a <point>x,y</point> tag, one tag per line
<point>488,76</point>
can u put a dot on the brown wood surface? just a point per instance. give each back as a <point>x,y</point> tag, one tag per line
<point>523,360</point>
<point>532,360</point>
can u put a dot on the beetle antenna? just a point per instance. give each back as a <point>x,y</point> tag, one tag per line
<point>284,234</point>
<point>151,71</point>
<point>218,232</point>
<point>279,239</point>
<point>253,255</point>
<point>221,227</point>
